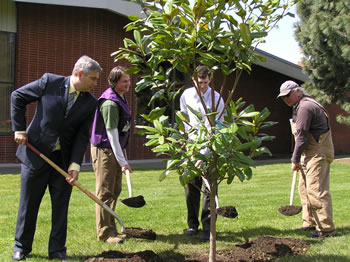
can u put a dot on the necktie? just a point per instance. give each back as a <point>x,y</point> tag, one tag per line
<point>70,102</point>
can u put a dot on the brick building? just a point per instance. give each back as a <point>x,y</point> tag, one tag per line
<point>49,36</point>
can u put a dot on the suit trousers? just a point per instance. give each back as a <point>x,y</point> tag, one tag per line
<point>108,187</point>
<point>33,187</point>
<point>193,194</point>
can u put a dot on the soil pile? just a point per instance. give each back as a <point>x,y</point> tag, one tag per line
<point>262,249</point>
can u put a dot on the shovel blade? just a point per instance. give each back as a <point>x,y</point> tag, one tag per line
<point>290,210</point>
<point>135,202</point>
<point>227,211</point>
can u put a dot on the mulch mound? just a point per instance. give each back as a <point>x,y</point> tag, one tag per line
<point>137,232</point>
<point>143,256</point>
<point>262,249</point>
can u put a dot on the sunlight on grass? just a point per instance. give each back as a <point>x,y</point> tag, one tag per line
<point>257,202</point>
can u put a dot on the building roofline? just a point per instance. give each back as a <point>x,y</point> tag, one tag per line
<point>127,8</point>
<point>282,66</point>
<point>121,7</point>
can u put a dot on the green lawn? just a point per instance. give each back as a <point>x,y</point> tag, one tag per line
<point>257,202</point>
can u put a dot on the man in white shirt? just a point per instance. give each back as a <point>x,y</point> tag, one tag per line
<point>190,97</point>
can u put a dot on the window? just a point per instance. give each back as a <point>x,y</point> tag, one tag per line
<point>7,78</point>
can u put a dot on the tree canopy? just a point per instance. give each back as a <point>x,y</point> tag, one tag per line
<point>323,33</point>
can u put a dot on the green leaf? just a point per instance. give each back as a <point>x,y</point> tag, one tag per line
<point>245,34</point>
<point>133,70</point>
<point>156,113</point>
<point>183,116</point>
<point>137,37</point>
<point>133,17</point>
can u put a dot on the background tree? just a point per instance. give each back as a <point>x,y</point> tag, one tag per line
<point>174,38</point>
<point>323,33</point>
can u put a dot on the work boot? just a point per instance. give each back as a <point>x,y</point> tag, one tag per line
<point>303,229</point>
<point>320,234</point>
<point>115,240</point>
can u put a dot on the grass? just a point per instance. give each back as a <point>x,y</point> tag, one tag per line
<point>257,202</point>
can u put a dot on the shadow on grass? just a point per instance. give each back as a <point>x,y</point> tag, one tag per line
<point>245,235</point>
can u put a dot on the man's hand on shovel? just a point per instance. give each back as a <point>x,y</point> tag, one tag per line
<point>73,177</point>
<point>126,167</point>
<point>296,167</point>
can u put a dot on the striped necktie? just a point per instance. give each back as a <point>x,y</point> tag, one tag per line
<point>70,102</point>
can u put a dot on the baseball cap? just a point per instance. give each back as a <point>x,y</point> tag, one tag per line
<point>286,87</point>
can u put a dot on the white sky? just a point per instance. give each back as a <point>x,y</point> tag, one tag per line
<point>281,42</point>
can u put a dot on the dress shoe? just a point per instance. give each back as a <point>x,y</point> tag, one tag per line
<point>18,255</point>
<point>191,231</point>
<point>320,234</point>
<point>61,255</point>
<point>205,236</point>
<point>303,229</point>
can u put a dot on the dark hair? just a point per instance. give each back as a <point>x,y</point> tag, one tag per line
<point>115,74</point>
<point>203,71</point>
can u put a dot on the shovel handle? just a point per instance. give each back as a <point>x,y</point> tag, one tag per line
<point>208,186</point>
<point>77,184</point>
<point>128,182</point>
<point>127,176</point>
<point>292,190</point>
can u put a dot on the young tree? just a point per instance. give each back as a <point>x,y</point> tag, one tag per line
<point>175,37</point>
<point>323,33</point>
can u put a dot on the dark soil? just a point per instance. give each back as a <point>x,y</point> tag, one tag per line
<point>136,202</point>
<point>263,249</point>
<point>290,210</point>
<point>137,232</point>
<point>227,211</point>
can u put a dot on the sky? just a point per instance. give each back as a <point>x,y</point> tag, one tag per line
<point>281,42</point>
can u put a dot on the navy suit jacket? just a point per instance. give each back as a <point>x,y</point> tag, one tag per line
<point>49,123</point>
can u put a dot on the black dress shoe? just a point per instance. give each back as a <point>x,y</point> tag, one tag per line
<point>205,236</point>
<point>191,231</point>
<point>59,255</point>
<point>18,255</point>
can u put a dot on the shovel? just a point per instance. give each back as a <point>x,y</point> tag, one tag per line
<point>137,201</point>
<point>225,211</point>
<point>78,185</point>
<point>291,210</point>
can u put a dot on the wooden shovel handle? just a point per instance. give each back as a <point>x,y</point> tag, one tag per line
<point>292,190</point>
<point>127,176</point>
<point>77,184</point>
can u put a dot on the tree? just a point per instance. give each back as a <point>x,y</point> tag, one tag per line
<point>175,37</point>
<point>323,33</point>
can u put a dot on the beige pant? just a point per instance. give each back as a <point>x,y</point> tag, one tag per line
<point>108,187</point>
<point>314,183</point>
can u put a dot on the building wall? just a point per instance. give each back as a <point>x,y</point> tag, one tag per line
<point>50,38</point>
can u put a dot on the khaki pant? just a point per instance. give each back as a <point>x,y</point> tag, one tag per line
<point>314,183</point>
<point>108,187</point>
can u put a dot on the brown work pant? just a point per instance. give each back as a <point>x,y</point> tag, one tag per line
<point>108,187</point>
<point>314,183</point>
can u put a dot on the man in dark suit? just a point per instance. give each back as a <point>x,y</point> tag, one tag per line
<point>60,130</point>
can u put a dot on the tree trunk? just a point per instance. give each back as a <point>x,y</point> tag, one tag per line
<point>212,249</point>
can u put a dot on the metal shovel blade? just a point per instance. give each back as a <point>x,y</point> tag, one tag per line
<point>291,210</point>
<point>227,211</point>
<point>136,202</point>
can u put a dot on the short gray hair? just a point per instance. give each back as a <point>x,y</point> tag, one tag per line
<point>87,65</point>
